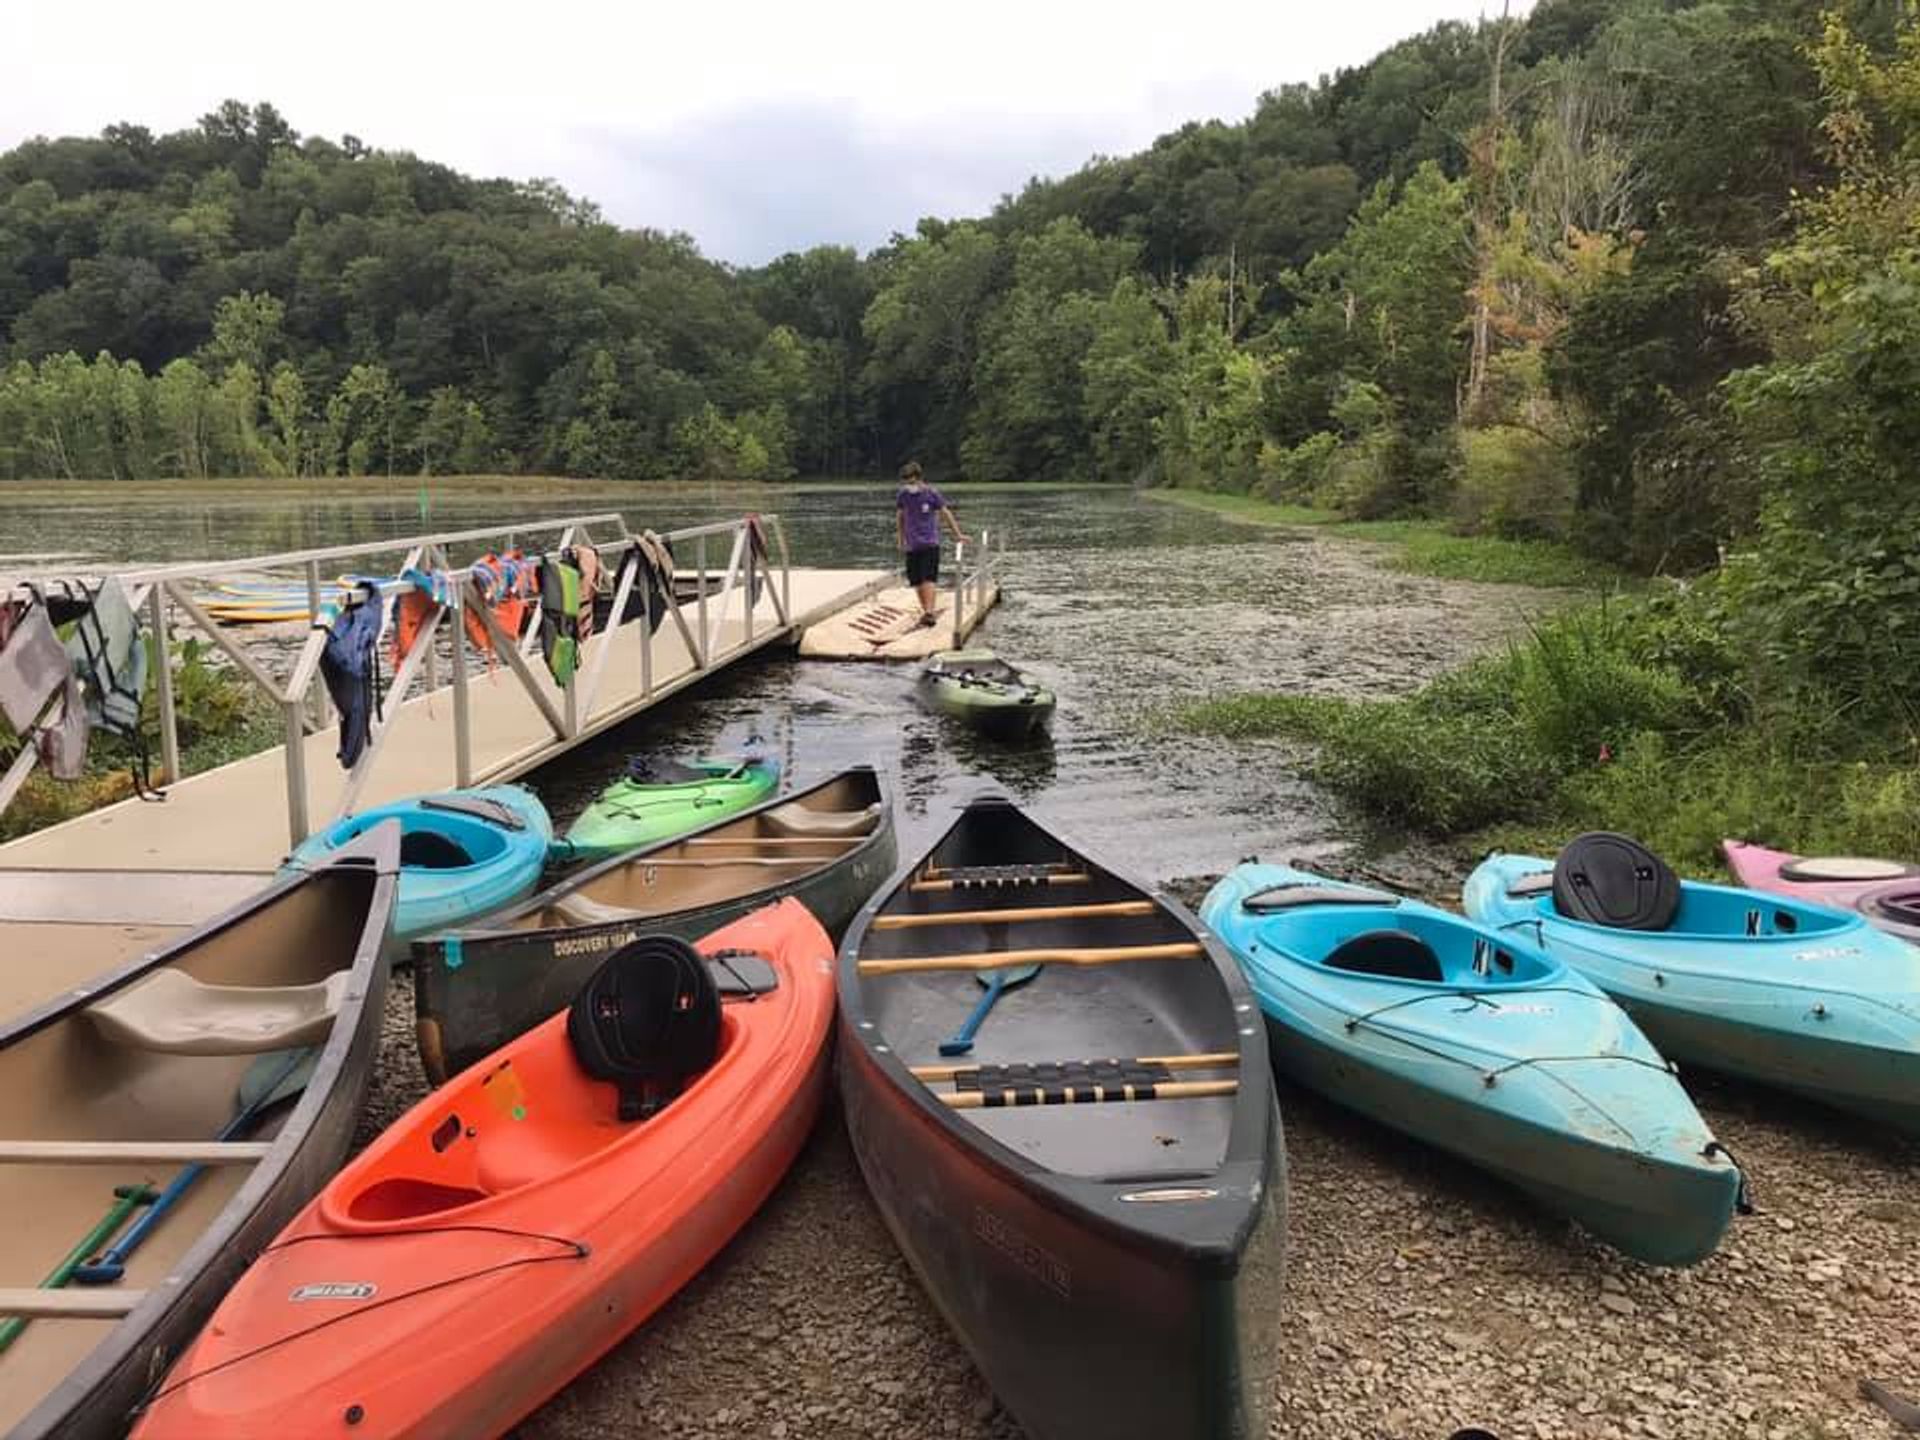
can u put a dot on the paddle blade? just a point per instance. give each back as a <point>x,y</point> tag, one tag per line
<point>996,981</point>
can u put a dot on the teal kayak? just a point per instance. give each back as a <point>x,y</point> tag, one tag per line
<point>1481,1045</point>
<point>1799,996</point>
<point>463,854</point>
<point>657,800</point>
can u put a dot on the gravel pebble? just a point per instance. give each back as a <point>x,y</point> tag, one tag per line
<point>1422,1297</point>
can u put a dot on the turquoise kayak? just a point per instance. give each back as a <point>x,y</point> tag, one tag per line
<point>1479,1044</point>
<point>463,854</point>
<point>660,799</point>
<point>1795,995</point>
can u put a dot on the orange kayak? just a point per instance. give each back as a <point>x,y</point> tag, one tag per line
<point>510,1228</point>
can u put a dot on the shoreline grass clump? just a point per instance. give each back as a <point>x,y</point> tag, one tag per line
<point>1635,716</point>
<point>1426,547</point>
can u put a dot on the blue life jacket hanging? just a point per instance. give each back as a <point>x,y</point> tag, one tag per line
<point>350,665</point>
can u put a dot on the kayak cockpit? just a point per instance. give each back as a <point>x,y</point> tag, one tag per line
<point>1720,912</point>
<point>526,1118</point>
<point>1408,946</point>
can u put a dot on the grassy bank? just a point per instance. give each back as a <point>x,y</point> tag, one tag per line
<point>1617,717</point>
<point>1427,547</point>
<point>222,717</point>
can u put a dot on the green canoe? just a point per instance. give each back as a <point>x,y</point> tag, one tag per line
<point>977,686</point>
<point>657,800</point>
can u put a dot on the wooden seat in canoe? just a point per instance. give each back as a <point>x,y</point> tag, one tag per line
<point>175,1014</point>
<point>805,822</point>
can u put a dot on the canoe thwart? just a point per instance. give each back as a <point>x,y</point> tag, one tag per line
<point>1011,1096</point>
<point>174,1013</point>
<point>1218,1060</point>
<point>1001,959</point>
<point>34,1303</point>
<point>962,877</point>
<point>132,1152</point>
<point>1026,913</point>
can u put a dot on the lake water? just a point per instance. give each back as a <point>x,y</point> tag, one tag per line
<point>1125,606</point>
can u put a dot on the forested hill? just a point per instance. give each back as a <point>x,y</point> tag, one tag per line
<point>1501,271</point>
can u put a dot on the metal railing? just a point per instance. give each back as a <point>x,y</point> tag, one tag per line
<point>978,581</point>
<point>750,573</point>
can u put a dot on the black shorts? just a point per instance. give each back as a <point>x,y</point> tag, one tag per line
<point>923,565</point>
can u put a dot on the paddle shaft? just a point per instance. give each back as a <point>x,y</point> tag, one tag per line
<point>128,1198</point>
<point>112,1263</point>
<point>995,960</point>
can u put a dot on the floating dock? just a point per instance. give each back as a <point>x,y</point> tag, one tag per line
<point>80,896</point>
<point>885,625</point>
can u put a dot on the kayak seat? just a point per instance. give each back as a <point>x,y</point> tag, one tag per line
<point>1391,954</point>
<point>579,909</point>
<point>1612,880</point>
<point>647,1022</point>
<point>1528,886</point>
<point>799,822</point>
<point>430,850</point>
<point>174,1013</point>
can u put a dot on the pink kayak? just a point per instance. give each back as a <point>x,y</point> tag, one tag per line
<point>1886,892</point>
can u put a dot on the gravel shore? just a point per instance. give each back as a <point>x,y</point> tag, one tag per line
<point>1421,1297</point>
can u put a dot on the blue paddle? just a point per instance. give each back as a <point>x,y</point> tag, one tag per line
<point>268,1081</point>
<point>996,981</point>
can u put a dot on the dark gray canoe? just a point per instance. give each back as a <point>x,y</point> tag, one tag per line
<point>829,846</point>
<point>149,1055</point>
<point>1112,1264</point>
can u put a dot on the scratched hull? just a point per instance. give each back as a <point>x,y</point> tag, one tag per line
<point>1105,1291</point>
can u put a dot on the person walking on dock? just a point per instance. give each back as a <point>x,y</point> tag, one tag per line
<point>918,511</point>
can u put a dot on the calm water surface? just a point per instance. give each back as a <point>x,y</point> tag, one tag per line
<point>1124,606</point>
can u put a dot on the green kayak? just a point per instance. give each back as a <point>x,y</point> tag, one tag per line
<point>657,800</point>
<point>977,686</point>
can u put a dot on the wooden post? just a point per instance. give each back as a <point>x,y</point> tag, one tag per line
<point>462,699</point>
<point>163,682</point>
<point>296,768</point>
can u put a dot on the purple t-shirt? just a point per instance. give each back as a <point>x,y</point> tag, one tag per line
<point>920,508</point>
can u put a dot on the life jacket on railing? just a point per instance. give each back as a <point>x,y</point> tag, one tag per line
<point>350,666</point>
<point>560,601</point>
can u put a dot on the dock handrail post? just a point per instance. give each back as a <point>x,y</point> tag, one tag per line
<point>462,719</point>
<point>705,645</point>
<point>163,682</point>
<point>756,573</point>
<point>296,768</point>
<point>959,589</point>
<point>322,706</point>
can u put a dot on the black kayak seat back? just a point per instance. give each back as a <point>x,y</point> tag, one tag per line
<point>648,1022</point>
<point>1391,954</point>
<point>1613,880</point>
<point>430,850</point>
<point>477,807</point>
<point>1296,894</point>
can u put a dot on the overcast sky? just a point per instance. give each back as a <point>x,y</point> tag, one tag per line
<point>756,127</point>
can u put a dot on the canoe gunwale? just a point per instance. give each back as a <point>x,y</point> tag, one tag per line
<point>309,1146</point>
<point>1243,1166</point>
